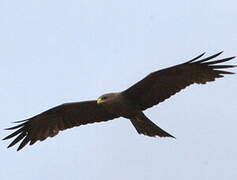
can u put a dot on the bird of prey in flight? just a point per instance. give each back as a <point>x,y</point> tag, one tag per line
<point>130,104</point>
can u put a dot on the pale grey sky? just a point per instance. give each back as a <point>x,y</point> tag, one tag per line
<point>52,52</point>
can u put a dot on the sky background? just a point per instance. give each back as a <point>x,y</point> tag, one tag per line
<point>52,52</point>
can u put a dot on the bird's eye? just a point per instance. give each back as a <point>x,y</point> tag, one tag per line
<point>104,97</point>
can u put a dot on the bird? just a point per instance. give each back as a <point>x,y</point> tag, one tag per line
<point>130,103</point>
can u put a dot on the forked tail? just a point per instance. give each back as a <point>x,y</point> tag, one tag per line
<point>145,126</point>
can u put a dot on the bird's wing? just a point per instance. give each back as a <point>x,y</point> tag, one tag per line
<point>160,85</point>
<point>50,122</point>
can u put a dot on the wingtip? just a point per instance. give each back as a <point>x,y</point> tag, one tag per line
<point>14,127</point>
<point>10,145</point>
<point>197,57</point>
<point>5,138</point>
<point>230,58</point>
<point>19,148</point>
<point>20,121</point>
<point>8,128</point>
<point>231,72</point>
<point>203,54</point>
<point>221,52</point>
<point>218,54</point>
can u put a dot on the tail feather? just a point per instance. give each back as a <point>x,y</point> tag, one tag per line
<point>145,126</point>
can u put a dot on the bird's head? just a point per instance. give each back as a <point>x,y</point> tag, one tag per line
<point>106,97</point>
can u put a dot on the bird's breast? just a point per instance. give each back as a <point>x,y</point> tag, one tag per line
<point>120,107</point>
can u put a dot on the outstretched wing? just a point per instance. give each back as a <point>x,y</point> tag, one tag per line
<point>50,122</point>
<point>160,85</point>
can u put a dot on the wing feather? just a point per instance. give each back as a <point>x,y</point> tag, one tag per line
<point>50,122</point>
<point>161,85</point>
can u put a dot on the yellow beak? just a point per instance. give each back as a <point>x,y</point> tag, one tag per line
<point>99,101</point>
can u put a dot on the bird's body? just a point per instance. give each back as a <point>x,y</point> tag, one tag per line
<point>130,104</point>
<point>120,105</point>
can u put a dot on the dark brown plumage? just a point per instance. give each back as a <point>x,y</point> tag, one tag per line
<point>160,85</point>
<point>152,90</point>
